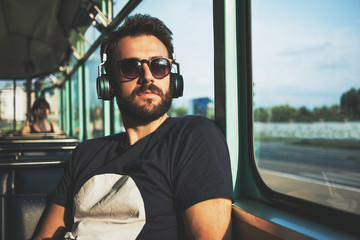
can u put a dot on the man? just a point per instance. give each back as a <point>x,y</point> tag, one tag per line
<point>165,178</point>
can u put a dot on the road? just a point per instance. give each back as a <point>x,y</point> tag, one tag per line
<point>325,175</point>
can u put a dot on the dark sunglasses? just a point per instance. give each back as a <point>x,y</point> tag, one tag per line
<point>132,68</point>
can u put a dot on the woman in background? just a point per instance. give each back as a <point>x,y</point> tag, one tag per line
<point>39,112</point>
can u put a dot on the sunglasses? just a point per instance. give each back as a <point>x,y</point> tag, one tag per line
<point>132,68</point>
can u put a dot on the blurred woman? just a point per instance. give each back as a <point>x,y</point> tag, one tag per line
<point>39,112</point>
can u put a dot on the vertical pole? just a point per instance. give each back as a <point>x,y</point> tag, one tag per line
<point>83,94</point>
<point>69,107</point>
<point>107,110</point>
<point>28,100</point>
<point>219,63</point>
<point>225,67</point>
<point>112,115</point>
<point>14,105</point>
<point>61,108</point>
<point>231,84</point>
<point>80,91</point>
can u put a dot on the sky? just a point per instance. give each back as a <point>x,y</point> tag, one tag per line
<point>311,52</point>
<point>191,24</point>
<point>305,53</point>
<point>192,27</point>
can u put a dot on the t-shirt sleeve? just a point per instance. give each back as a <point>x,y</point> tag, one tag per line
<point>62,193</point>
<point>75,169</point>
<point>203,169</point>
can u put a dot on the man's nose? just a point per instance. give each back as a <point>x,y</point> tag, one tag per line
<point>146,75</point>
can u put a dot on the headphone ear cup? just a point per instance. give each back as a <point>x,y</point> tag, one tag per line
<point>103,88</point>
<point>176,85</point>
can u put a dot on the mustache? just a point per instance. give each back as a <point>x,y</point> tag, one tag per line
<point>151,88</point>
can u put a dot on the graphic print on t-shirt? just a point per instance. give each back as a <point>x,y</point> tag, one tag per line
<point>108,206</point>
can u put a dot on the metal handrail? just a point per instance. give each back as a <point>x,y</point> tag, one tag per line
<point>10,163</point>
<point>61,140</point>
<point>22,149</point>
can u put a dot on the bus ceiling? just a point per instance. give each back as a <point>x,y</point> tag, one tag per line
<point>34,35</point>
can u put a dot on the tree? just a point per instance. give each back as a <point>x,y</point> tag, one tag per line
<point>321,113</point>
<point>283,113</point>
<point>180,111</point>
<point>336,114</point>
<point>304,115</point>
<point>350,103</point>
<point>177,112</point>
<point>261,115</point>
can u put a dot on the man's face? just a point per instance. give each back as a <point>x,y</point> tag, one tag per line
<point>145,98</point>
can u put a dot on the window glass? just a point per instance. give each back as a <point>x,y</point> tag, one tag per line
<point>61,109</point>
<point>73,60</point>
<point>91,34</point>
<point>20,104</point>
<point>118,5</point>
<point>193,46</point>
<point>6,105</point>
<point>75,103</point>
<point>306,73</point>
<point>94,106</point>
<point>119,126</point>
<point>66,107</point>
<point>53,98</point>
<point>12,107</point>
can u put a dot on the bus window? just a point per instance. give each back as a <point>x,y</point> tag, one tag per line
<point>12,112</point>
<point>20,104</point>
<point>52,97</point>
<point>306,72</point>
<point>74,86</point>
<point>118,5</point>
<point>94,106</point>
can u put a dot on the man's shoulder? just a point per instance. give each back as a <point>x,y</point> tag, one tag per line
<point>194,126</point>
<point>192,119</point>
<point>194,122</point>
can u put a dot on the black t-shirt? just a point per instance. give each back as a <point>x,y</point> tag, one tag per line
<point>140,192</point>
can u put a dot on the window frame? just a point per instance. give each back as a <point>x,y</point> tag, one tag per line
<point>249,184</point>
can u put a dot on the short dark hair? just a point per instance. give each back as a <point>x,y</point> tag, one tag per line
<point>136,25</point>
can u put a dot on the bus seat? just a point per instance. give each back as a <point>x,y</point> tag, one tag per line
<point>22,214</point>
<point>4,176</point>
<point>36,180</point>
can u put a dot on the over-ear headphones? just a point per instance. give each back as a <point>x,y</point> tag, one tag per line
<point>176,81</point>
<point>106,92</point>
<point>103,86</point>
<point>176,85</point>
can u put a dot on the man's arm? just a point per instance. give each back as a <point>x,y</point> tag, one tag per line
<point>209,219</point>
<point>52,225</point>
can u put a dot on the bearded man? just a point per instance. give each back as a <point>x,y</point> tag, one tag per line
<point>164,178</point>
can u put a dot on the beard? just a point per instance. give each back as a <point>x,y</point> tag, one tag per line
<point>148,112</point>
